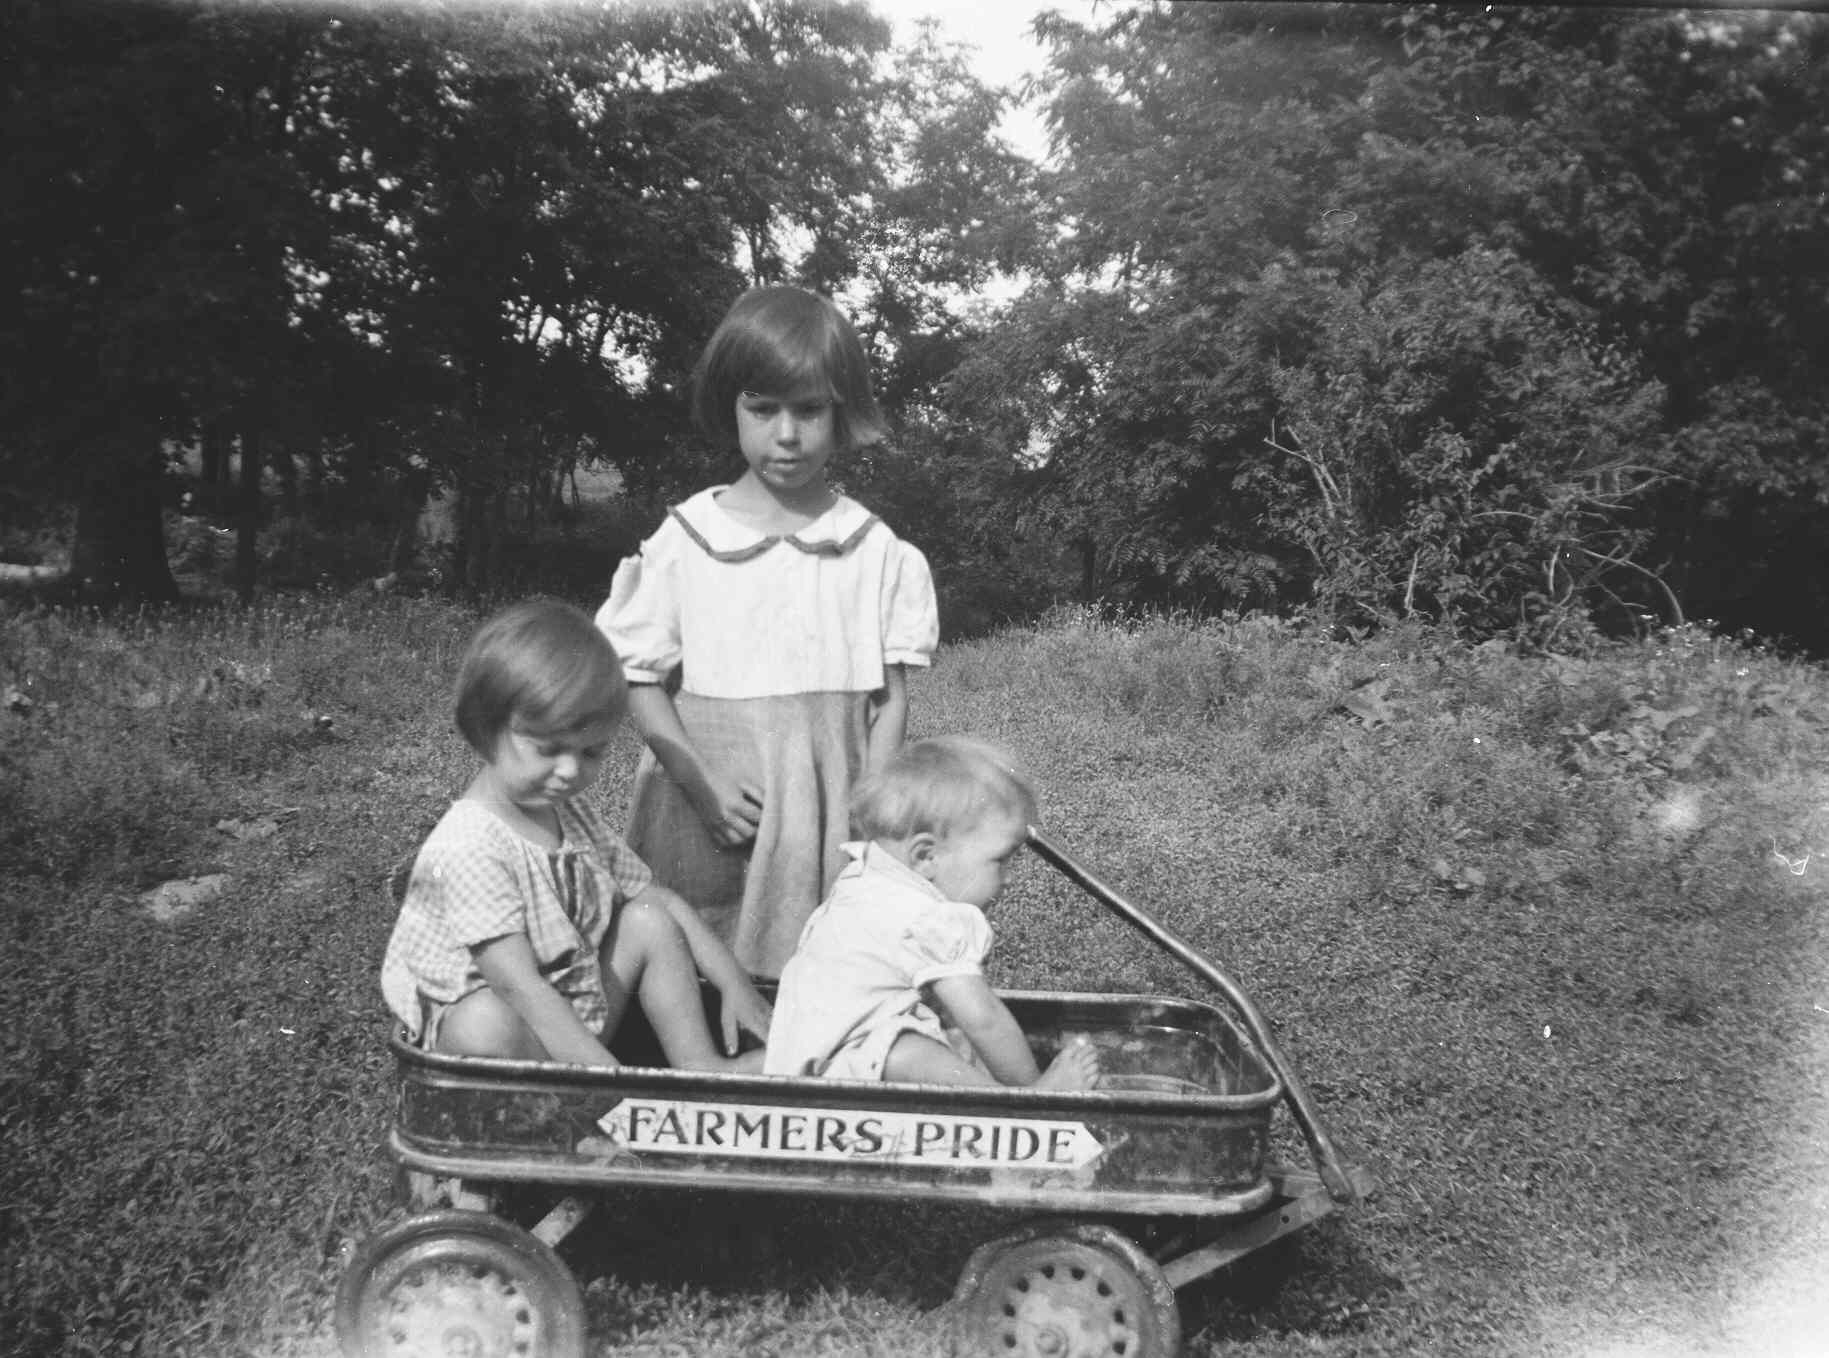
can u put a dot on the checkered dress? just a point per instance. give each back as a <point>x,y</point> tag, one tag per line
<point>476,880</point>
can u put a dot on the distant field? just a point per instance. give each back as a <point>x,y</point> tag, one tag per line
<point>1546,936</point>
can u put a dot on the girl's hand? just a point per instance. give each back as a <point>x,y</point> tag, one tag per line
<point>740,1004</point>
<point>888,718</point>
<point>741,1007</point>
<point>731,809</point>
<point>513,973</point>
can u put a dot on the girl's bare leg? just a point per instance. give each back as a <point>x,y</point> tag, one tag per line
<point>482,1024</point>
<point>645,955</point>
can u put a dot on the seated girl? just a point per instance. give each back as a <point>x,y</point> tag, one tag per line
<point>887,982</point>
<point>527,925</point>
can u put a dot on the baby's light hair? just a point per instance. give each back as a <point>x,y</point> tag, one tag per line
<point>542,663</point>
<point>937,786</point>
<point>781,341</point>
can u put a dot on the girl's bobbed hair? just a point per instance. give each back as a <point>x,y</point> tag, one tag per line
<point>938,786</point>
<point>542,663</point>
<point>783,341</point>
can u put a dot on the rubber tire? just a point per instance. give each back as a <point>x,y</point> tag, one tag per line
<point>1065,1290</point>
<point>453,1282</point>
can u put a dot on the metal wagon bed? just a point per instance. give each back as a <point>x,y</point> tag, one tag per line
<point>1175,1138</point>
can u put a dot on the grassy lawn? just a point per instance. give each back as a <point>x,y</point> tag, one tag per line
<point>1546,936</point>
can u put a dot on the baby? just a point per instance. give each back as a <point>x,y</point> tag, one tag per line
<point>887,982</point>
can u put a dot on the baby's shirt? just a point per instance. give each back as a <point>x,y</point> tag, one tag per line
<point>746,615</point>
<point>882,934</point>
<point>476,880</point>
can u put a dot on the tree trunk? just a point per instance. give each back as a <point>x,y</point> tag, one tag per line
<point>315,493</point>
<point>361,482</point>
<point>213,473</point>
<point>286,470</point>
<point>415,484</point>
<point>536,493</point>
<point>247,518</point>
<point>497,539</point>
<point>467,542</point>
<point>119,548</point>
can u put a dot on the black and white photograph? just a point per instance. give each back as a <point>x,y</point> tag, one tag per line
<point>914,679</point>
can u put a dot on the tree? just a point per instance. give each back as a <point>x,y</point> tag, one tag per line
<point>439,246</point>
<point>151,210</point>
<point>1400,309</point>
<point>1195,148</point>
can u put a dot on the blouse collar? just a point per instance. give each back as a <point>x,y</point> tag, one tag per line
<point>727,538</point>
<point>868,856</point>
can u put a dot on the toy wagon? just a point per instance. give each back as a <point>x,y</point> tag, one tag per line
<point>1173,1144</point>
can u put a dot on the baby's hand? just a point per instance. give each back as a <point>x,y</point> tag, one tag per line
<point>1076,1067</point>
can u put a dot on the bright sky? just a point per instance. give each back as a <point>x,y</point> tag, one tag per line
<point>1005,49</point>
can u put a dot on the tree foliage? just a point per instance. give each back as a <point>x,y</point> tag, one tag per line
<point>440,246</point>
<point>1418,310</point>
<point>1508,318</point>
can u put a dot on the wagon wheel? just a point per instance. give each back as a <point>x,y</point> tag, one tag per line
<point>1065,1290</point>
<point>458,1285</point>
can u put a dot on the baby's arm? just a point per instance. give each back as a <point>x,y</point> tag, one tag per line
<point>975,1009</point>
<point>888,717</point>
<point>731,808</point>
<point>508,965</point>
<point>743,1005</point>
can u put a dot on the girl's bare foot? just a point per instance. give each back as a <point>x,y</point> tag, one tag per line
<point>1077,1067</point>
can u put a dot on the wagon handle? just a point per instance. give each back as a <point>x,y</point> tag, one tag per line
<point>1327,1157</point>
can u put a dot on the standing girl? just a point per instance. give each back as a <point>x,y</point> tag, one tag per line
<point>765,629</point>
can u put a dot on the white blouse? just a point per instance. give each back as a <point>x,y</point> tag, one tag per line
<point>857,978</point>
<point>746,615</point>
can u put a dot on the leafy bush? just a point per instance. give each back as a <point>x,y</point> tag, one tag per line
<point>31,534</point>
<point>296,553</point>
<point>1426,463</point>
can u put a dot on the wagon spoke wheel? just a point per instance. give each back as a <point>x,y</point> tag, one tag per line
<point>458,1285</point>
<point>1059,1290</point>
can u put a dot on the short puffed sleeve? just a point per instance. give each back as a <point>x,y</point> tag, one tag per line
<point>472,887</point>
<point>911,618</point>
<point>642,617</point>
<point>949,939</point>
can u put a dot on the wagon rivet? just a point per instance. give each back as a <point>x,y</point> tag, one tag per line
<point>1050,1340</point>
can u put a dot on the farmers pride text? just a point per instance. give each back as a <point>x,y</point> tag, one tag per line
<point>772,1131</point>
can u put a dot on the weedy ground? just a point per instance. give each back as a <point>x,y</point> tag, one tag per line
<point>1546,935</point>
